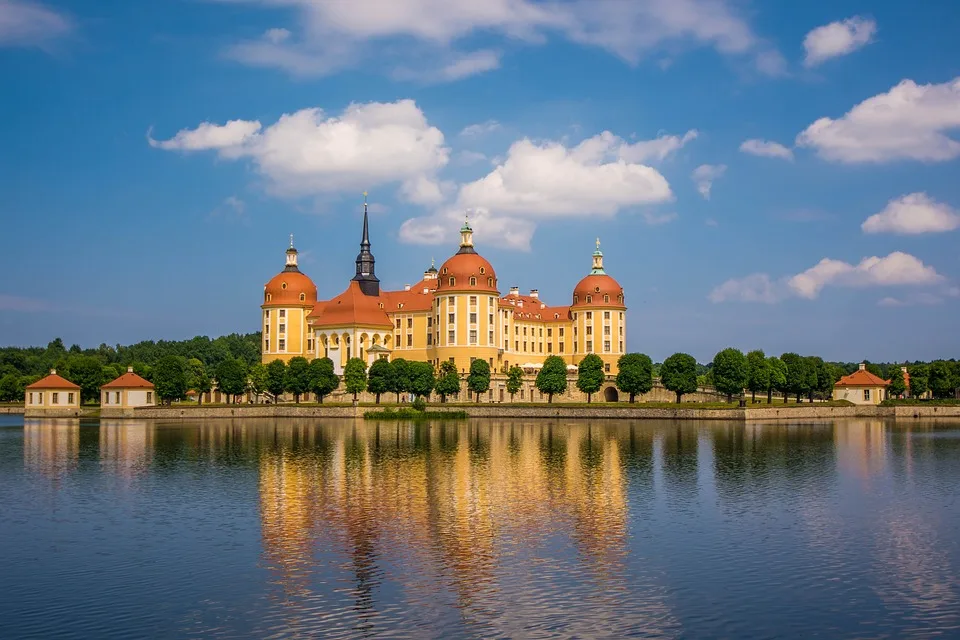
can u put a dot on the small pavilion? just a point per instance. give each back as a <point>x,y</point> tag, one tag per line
<point>51,395</point>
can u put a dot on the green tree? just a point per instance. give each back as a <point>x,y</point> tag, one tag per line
<point>590,375</point>
<point>256,379</point>
<point>778,378</point>
<point>355,376</point>
<point>897,386</point>
<point>231,375</point>
<point>514,380</point>
<point>940,379</point>
<point>478,380</point>
<point>322,380</point>
<point>448,382</point>
<point>798,374</point>
<point>678,373</point>
<point>401,377</point>
<point>552,378</point>
<point>143,370</point>
<point>170,379</point>
<point>380,378</point>
<point>918,380</point>
<point>276,379</point>
<point>634,374</point>
<point>422,379</point>
<point>298,377</point>
<point>10,389</point>
<point>198,379</point>
<point>730,372</point>
<point>827,376</point>
<point>758,373</point>
<point>87,372</point>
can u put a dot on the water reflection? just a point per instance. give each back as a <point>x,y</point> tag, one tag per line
<point>51,446</point>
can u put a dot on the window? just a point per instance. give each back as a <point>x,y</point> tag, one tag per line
<point>267,329</point>
<point>451,336</point>
<point>55,399</point>
<point>606,298</point>
<point>473,317</point>
<point>116,397</point>
<point>282,344</point>
<point>409,340</point>
<point>490,301</point>
<point>266,315</point>
<point>302,297</point>
<point>451,318</point>
<point>283,328</point>
<point>283,285</point>
<point>549,347</point>
<point>309,344</point>
<point>524,345</point>
<point>266,344</point>
<point>589,299</point>
<point>283,313</point>
<point>453,281</point>
<point>490,337</point>
<point>524,331</point>
<point>589,315</point>
<point>473,336</point>
<point>409,323</point>
<point>621,346</point>
<point>866,395</point>
<point>269,297</point>
<point>69,398</point>
<point>576,299</point>
<point>541,347</point>
<point>561,331</point>
<point>621,316</point>
<point>541,332</point>
<point>589,346</point>
<point>429,321</point>
<point>473,301</point>
<point>489,282</point>
<point>606,330</point>
<point>549,332</point>
<point>149,397</point>
<point>429,339</point>
<point>589,329</point>
<point>482,270</point>
<point>516,345</point>
<point>40,398</point>
<point>106,398</point>
<point>398,323</point>
<point>516,330</point>
<point>506,345</point>
<point>606,346</point>
<point>473,281</point>
<point>606,367</point>
<point>606,315</point>
<point>396,340</point>
<point>490,319</point>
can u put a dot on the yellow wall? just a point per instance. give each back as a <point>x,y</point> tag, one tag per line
<point>294,335</point>
<point>52,398</point>
<point>856,395</point>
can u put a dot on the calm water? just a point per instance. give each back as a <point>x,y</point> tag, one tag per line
<point>488,529</point>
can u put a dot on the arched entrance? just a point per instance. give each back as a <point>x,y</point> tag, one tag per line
<point>610,394</point>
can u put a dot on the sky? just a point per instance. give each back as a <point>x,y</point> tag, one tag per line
<point>781,176</point>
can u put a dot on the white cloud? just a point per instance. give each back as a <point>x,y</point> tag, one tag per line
<point>906,123</point>
<point>705,174</point>
<point>307,152</point>
<point>480,128</point>
<point>766,148</point>
<point>658,149</point>
<point>921,298</point>
<point>442,228</point>
<point>913,214</point>
<point>656,219</point>
<point>24,23</point>
<point>837,39</point>
<point>894,269</point>
<point>335,35</point>
<point>454,66</point>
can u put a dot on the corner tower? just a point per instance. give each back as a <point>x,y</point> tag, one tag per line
<point>366,275</point>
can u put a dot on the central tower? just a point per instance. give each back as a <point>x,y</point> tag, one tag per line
<point>366,273</point>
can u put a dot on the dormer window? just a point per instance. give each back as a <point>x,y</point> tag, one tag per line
<point>606,298</point>
<point>444,270</point>
<point>473,281</point>
<point>589,299</point>
<point>576,299</point>
<point>269,297</point>
<point>489,282</point>
<point>453,281</point>
<point>620,298</point>
<point>302,297</point>
<point>483,270</point>
<point>283,285</point>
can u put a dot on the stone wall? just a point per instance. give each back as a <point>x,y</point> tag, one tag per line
<point>73,412</point>
<point>11,410</point>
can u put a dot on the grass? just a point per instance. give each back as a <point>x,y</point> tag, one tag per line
<point>913,402</point>
<point>406,413</point>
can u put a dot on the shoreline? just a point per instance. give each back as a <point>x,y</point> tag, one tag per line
<point>483,410</point>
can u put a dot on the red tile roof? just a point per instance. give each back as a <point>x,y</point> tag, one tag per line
<point>129,380</point>
<point>862,378</point>
<point>53,381</point>
<point>351,308</point>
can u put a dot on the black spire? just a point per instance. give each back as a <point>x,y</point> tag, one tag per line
<point>366,275</point>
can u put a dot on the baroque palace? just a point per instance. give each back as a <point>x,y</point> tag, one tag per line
<point>454,313</point>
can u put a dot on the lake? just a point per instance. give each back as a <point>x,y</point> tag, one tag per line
<point>482,529</point>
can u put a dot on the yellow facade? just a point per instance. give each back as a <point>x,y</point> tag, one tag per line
<point>446,317</point>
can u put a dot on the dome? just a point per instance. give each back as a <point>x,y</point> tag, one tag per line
<point>469,271</point>
<point>590,292</point>
<point>286,288</point>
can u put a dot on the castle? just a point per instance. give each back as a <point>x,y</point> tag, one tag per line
<point>453,313</point>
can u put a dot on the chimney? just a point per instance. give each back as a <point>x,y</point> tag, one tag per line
<point>514,291</point>
<point>535,293</point>
<point>904,370</point>
<point>426,290</point>
<point>863,366</point>
<point>129,369</point>
<point>406,287</point>
<point>53,372</point>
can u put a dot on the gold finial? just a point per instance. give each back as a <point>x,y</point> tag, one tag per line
<point>598,244</point>
<point>291,241</point>
<point>364,197</point>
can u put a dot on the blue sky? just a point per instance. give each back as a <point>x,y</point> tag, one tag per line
<point>762,175</point>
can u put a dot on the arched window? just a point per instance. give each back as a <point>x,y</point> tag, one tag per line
<point>620,299</point>
<point>269,297</point>
<point>606,298</point>
<point>589,299</point>
<point>302,297</point>
<point>444,270</point>
<point>453,281</point>
<point>576,299</point>
<point>473,281</point>
<point>489,282</point>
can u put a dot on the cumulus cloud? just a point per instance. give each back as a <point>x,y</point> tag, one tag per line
<point>913,214</point>
<point>335,35</point>
<point>704,176</point>
<point>837,39</point>
<point>656,150</point>
<point>766,148</point>
<point>25,24</point>
<point>480,128</point>
<point>906,123</point>
<point>895,269</point>
<point>509,232</point>
<point>308,152</point>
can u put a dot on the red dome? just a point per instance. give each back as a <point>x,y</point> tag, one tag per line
<point>469,271</point>
<point>287,287</point>
<point>590,292</point>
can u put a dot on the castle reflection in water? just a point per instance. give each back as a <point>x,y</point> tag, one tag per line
<point>472,516</point>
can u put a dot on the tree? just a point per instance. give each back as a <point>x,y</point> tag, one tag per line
<point>634,374</point>
<point>758,373</point>
<point>321,378</point>
<point>10,389</point>
<point>552,378</point>
<point>448,382</point>
<point>231,377</point>
<point>940,379</point>
<point>678,373</point>
<point>355,376</point>
<point>478,381</point>
<point>256,378</point>
<point>198,379</point>
<point>297,381</point>
<point>421,379</point>
<point>778,378</point>
<point>918,380</point>
<point>380,378</point>
<point>897,386</point>
<point>730,372</point>
<point>170,379</point>
<point>827,376</point>
<point>87,372</point>
<point>590,375</point>
<point>401,377</point>
<point>514,380</point>
<point>276,379</point>
<point>798,374</point>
